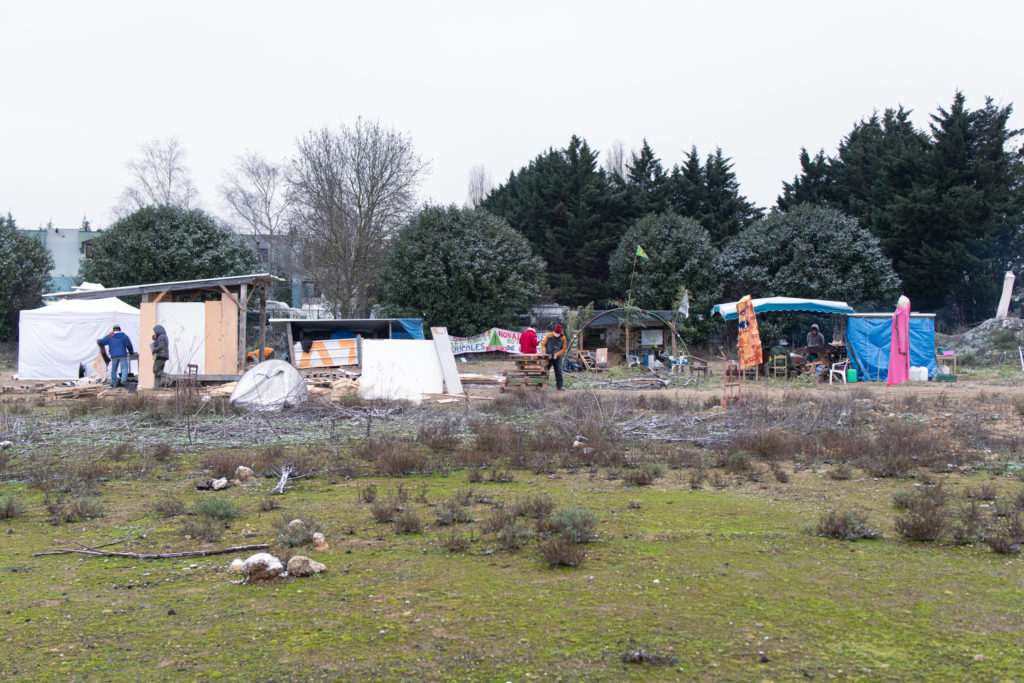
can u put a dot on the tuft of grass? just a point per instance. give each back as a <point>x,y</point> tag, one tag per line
<point>222,465</point>
<point>163,453</point>
<point>536,506</point>
<point>780,474</point>
<point>63,511</point>
<point>846,525</point>
<point>501,475</point>
<point>982,492</point>
<point>217,508</point>
<point>269,503</point>
<point>968,524</point>
<point>384,511</point>
<point>202,528</point>
<point>475,476</point>
<point>559,551</point>
<point>841,472</point>
<point>697,478</point>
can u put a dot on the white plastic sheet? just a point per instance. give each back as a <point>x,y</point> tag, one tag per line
<point>270,386</point>
<point>399,369</point>
<point>55,339</point>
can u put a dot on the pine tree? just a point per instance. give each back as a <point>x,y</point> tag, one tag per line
<point>647,183</point>
<point>710,194</point>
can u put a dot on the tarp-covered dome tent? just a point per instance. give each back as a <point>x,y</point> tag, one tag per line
<point>272,385</point>
<point>869,335</point>
<point>55,339</point>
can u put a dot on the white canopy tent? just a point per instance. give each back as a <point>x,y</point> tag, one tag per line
<point>55,339</point>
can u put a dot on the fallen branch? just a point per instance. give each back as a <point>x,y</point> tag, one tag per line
<point>156,556</point>
<point>285,473</point>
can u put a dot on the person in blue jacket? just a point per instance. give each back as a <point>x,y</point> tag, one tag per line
<point>120,347</point>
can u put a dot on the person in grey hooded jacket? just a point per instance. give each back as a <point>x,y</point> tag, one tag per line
<point>161,353</point>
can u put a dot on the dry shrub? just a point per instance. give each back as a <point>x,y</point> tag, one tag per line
<point>440,436</point>
<point>501,475</point>
<point>514,535</point>
<point>454,542</point>
<point>217,508</point>
<point>119,452</point>
<point>536,506</point>
<point>451,512</point>
<point>498,520</point>
<point>968,524</point>
<point>222,464</point>
<point>267,460</point>
<point>202,528</point>
<point>981,492</point>
<point>162,452</point>
<point>368,493</point>
<point>394,457</point>
<point>42,471</point>
<point>846,525</point>
<point>841,472</point>
<point>780,474</point>
<point>657,403</point>
<point>408,522</point>
<point>11,507</point>
<point>83,478</point>
<point>678,458</point>
<point>295,536</point>
<point>517,400</point>
<point>578,524</point>
<point>769,445</point>
<point>1018,500</point>
<point>475,476</point>
<point>644,475</point>
<point>63,510</point>
<point>169,507</point>
<point>494,437</point>
<point>735,462</point>
<point>901,447</point>
<point>1007,535</point>
<point>697,478</point>
<point>925,516</point>
<point>559,551</point>
<point>843,446</point>
<point>269,503</point>
<point>384,511</point>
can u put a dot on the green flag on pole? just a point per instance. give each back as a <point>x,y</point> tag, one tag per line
<point>640,252</point>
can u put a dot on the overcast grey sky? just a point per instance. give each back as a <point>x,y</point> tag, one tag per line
<point>85,83</point>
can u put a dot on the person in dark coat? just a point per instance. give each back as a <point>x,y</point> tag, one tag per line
<point>120,348</point>
<point>161,348</point>
<point>555,345</point>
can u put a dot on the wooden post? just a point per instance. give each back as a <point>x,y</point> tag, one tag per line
<point>291,345</point>
<point>241,328</point>
<point>263,323</point>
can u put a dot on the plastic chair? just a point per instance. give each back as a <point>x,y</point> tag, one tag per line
<point>839,369</point>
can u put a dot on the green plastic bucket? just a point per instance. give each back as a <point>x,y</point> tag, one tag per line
<point>851,375</point>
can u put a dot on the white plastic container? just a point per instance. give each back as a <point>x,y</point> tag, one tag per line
<point>918,373</point>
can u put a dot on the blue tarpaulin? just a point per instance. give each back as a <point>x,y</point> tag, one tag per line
<point>412,328</point>
<point>868,340</point>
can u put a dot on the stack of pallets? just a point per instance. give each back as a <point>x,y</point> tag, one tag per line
<point>531,371</point>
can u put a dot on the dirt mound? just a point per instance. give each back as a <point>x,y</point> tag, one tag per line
<point>995,335</point>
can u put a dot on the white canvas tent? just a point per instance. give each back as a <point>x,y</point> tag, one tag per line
<point>271,386</point>
<point>55,339</point>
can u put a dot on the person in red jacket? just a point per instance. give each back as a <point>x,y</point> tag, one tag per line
<point>554,345</point>
<point>528,341</point>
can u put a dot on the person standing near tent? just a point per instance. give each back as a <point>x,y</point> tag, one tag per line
<point>161,354</point>
<point>120,348</point>
<point>554,346</point>
<point>815,338</point>
<point>528,341</point>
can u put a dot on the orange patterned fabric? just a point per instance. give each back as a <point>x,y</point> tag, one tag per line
<point>749,338</point>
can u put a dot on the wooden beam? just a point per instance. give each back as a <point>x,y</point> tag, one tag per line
<point>159,296</point>
<point>241,328</point>
<point>291,344</point>
<point>263,323</point>
<point>232,297</point>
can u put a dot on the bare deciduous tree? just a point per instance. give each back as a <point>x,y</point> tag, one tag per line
<point>349,191</point>
<point>159,178</point>
<point>254,189</point>
<point>615,160</point>
<point>480,185</point>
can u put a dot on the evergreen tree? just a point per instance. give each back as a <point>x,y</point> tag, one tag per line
<point>812,186</point>
<point>710,194</point>
<point>570,213</point>
<point>464,268</point>
<point>647,183</point>
<point>25,265</point>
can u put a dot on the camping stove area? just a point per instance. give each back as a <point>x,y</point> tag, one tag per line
<point>585,535</point>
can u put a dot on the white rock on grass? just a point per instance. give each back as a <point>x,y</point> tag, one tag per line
<point>236,566</point>
<point>295,523</point>
<point>243,473</point>
<point>261,567</point>
<point>218,484</point>
<point>300,565</point>
<point>319,542</point>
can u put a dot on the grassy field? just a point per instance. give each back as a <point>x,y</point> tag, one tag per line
<point>704,562</point>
